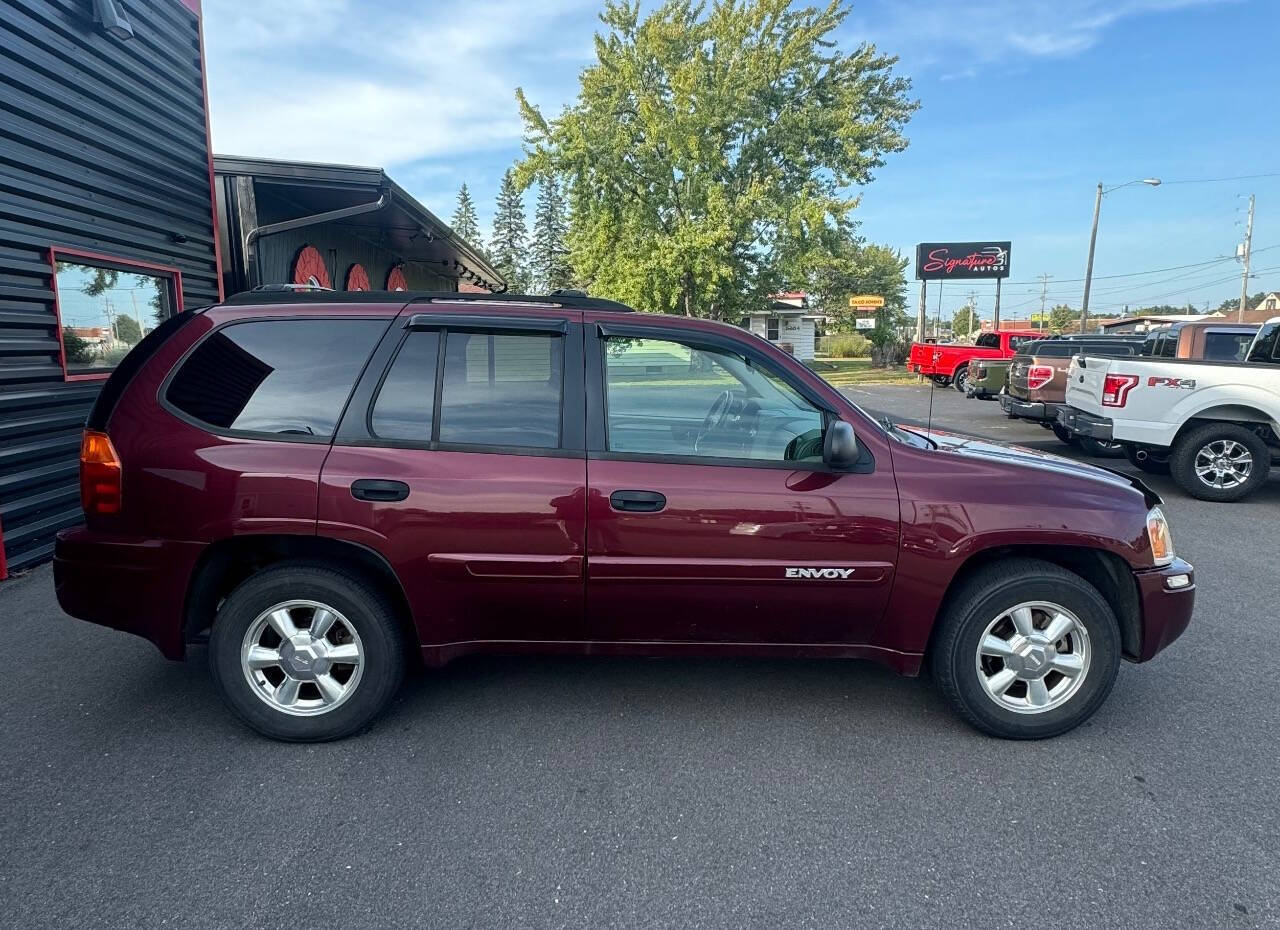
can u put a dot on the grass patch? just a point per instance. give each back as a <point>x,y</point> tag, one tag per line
<point>846,372</point>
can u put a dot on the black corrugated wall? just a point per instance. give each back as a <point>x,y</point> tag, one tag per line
<point>103,147</point>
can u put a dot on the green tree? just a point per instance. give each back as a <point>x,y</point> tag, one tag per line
<point>465,222</point>
<point>854,267</point>
<point>965,322</point>
<point>711,149</point>
<point>1063,318</point>
<point>551,268</point>
<point>509,234</point>
<point>78,351</point>
<point>127,330</point>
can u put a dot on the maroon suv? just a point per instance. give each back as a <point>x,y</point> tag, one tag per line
<point>322,486</point>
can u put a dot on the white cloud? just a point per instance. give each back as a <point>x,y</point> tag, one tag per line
<point>341,81</point>
<point>943,34</point>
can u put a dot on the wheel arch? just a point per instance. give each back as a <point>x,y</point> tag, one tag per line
<point>1106,571</point>
<point>228,562</point>
<point>1244,415</point>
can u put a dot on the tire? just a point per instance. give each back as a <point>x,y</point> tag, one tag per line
<point>1064,435</point>
<point>1151,465</point>
<point>984,603</point>
<point>1220,444</point>
<point>363,627</point>
<point>961,378</point>
<point>1099,449</point>
<point>940,380</point>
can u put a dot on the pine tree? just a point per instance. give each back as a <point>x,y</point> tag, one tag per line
<point>551,269</point>
<point>465,222</point>
<point>509,234</point>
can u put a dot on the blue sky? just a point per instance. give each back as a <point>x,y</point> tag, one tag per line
<point>1025,106</point>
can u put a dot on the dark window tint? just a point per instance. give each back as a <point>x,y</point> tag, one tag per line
<point>501,390</point>
<point>1227,347</point>
<point>1169,347</point>
<point>1050,349</point>
<point>406,400</point>
<point>1266,348</point>
<point>992,341</point>
<point>278,376</point>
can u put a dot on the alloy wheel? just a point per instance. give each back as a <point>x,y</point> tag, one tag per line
<point>302,657</point>
<point>1033,657</point>
<point>1223,464</point>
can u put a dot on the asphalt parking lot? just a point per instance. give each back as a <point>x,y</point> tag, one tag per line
<point>541,792</point>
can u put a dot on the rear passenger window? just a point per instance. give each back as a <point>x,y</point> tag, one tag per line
<point>501,389</point>
<point>279,376</point>
<point>406,399</point>
<point>1227,347</point>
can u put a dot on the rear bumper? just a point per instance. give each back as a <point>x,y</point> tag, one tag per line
<point>1085,424</point>
<point>127,583</point>
<point>1166,611</point>
<point>1028,409</point>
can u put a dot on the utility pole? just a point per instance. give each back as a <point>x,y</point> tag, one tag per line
<point>995,321</point>
<point>1088,269</point>
<point>1044,290</point>
<point>1248,247</point>
<point>923,313</point>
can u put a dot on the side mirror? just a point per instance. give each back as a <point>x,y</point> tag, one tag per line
<point>840,446</point>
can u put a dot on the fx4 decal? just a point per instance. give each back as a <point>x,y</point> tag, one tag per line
<point>1186,384</point>
<point>831,573</point>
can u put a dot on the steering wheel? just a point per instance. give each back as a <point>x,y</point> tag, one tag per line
<point>715,418</point>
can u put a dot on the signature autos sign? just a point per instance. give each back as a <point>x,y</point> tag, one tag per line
<point>953,261</point>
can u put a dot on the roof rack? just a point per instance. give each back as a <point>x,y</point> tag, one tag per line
<point>289,295</point>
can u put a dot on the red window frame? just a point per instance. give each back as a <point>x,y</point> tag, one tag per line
<point>114,262</point>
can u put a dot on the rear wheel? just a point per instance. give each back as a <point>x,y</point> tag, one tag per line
<point>940,380</point>
<point>303,653</point>
<point>1099,449</point>
<point>1220,462</point>
<point>1026,649</point>
<point>1064,434</point>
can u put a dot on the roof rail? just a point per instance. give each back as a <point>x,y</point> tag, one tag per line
<point>302,293</point>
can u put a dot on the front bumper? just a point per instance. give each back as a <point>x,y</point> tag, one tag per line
<point>1166,611</point>
<point>1028,409</point>
<point>127,583</point>
<point>1085,424</point>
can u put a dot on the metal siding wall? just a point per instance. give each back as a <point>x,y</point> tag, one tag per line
<point>275,255</point>
<point>102,147</point>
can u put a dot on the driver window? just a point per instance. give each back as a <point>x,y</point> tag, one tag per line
<point>667,398</point>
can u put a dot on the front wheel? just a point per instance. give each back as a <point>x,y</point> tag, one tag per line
<point>303,653</point>
<point>1220,462</point>
<point>1026,649</point>
<point>940,380</point>
<point>961,380</point>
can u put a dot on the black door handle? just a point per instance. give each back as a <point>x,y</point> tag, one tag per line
<point>637,501</point>
<point>379,489</point>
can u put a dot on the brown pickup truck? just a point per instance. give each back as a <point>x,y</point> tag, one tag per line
<point>1037,384</point>
<point>1211,340</point>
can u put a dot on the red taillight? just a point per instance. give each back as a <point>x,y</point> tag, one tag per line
<point>1116,388</point>
<point>99,474</point>
<point>1038,376</point>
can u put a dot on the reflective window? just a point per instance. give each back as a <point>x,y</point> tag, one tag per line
<point>502,389</point>
<point>406,399</point>
<point>992,341</point>
<point>1227,347</point>
<point>105,311</point>
<point>666,398</point>
<point>278,376</point>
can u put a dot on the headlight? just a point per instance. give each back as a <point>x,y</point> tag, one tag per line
<point>1160,536</point>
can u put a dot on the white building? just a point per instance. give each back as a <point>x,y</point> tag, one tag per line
<point>787,323</point>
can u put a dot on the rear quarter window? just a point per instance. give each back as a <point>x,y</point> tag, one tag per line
<point>281,377</point>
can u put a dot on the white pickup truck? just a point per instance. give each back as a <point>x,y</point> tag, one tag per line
<point>1214,426</point>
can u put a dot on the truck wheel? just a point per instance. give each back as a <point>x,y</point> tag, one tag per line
<point>1025,649</point>
<point>1099,449</point>
<point>1064,434</point>
<point>303,653</point>
<point>940,380</point>
<point>961,379</point>
<point>1220,462</point>
<point>1149,463</point>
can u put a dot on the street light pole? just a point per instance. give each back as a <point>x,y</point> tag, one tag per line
<point>1093,242</point>
<point>1088,268</point>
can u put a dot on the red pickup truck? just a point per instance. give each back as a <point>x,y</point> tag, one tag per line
<point>948,363</point>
